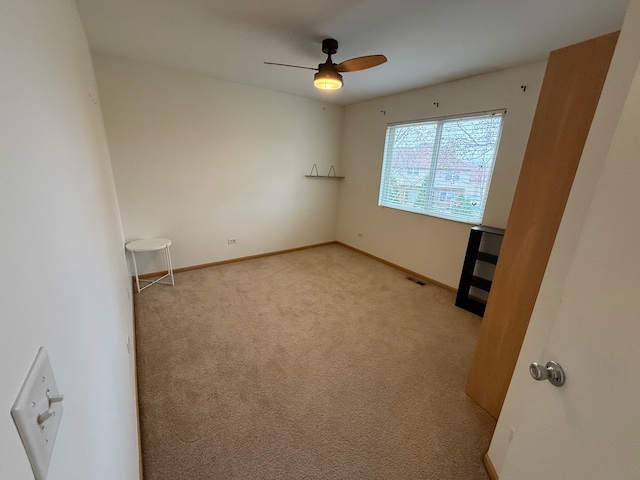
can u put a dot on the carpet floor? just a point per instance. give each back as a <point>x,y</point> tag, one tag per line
<point>315,364</point>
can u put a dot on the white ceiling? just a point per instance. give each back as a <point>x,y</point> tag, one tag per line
<point>426,41</point>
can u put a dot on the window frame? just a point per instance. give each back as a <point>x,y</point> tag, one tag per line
<point>387,166</point>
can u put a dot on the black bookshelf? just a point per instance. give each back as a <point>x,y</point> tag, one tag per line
<point>468,277</point>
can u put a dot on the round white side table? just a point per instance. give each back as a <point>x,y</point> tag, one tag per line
<point>151,245</point>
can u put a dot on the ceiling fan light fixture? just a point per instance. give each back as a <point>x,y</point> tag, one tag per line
<point>328,76</point>
<point>327,80</point>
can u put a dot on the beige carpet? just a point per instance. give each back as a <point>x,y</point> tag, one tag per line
<point>317,364</point>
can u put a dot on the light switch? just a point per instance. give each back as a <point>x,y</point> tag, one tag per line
<point>37,412</point>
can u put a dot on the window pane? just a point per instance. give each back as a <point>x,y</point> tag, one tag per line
<point>408,153</point>
<point>441,168</point>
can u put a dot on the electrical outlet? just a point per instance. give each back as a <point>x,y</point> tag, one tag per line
<point>232,241</point>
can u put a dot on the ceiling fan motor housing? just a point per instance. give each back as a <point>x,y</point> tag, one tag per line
<point>329,46</point>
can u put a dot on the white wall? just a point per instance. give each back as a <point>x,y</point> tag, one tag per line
<point>612,101</point>
<point>199,160</point>
<point>64,280</point>
<point>427,245</point>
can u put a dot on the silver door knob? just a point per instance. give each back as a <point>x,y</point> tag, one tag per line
<point>551,371</point>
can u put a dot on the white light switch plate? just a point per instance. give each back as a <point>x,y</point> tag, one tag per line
<point>32,401</point>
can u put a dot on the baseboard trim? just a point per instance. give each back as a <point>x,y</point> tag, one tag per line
<point>402,269</point>
<point>493,475</point>
<point>134,352</point>
<point>297,249</point>
<point>234,260</point>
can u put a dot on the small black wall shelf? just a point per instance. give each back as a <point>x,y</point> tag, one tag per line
<point>331,175</point>
<point>468,277</point>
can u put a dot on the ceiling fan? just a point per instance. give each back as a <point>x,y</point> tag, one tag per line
<point>328,76</point>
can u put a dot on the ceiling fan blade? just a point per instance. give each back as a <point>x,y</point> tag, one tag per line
<point>361,63</point>
<point>287,65</point>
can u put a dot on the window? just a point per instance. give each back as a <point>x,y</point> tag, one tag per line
<point>441,167</point>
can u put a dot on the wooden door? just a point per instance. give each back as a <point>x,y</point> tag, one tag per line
<point>570,92</point>
<point>589,429</point>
